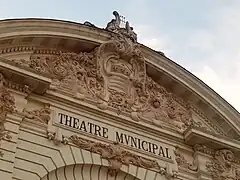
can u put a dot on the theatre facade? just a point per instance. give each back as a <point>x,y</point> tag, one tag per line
<point>79,102</point>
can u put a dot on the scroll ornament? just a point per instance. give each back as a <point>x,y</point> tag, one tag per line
<point>7,105</point>
<point>115,155</point>
<point>113,76</point>
<point>223,166</point>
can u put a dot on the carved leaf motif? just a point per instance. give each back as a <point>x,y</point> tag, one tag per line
<point>115,155</point>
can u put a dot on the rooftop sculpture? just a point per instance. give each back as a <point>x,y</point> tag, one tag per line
<point>114,26</point>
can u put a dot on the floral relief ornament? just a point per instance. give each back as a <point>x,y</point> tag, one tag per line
<point>7,106</point>
<point>223,166</point>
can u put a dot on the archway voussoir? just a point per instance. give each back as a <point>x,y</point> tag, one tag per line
<point>69,172</point>
<point>141,172</point>
<point>87,171</point>
<point>96,159</point>
<point>66,154</point>
<point>87,158</point>
<point>77,155</point>
<point>150,175</point>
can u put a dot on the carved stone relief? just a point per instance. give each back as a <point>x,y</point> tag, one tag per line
<point>223,166</point>
<point>204,149</point>
<point>57,137</point>
<point>112,75</point>
<point>182,162</point>
<point>115,155</point>
<point>69,78</point>
<point>72,72</point>
<point>40,115</point>
<point>7,106</point>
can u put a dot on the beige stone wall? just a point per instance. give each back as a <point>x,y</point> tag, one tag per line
<point>9,149</point>
<point>29,155</point>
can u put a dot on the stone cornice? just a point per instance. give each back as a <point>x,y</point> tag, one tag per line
<point>39,83</point>
<point>20,27</point>
<point>212,140</point>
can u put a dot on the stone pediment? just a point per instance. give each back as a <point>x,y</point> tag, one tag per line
<point>114,75</point>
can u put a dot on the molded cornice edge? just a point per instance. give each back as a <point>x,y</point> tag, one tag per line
<point>212,140</point>
<point>26,27</point>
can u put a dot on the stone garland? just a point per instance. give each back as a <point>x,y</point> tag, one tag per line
<point>113,153</point>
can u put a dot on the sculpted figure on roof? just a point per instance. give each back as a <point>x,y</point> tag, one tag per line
<point>114,26</point>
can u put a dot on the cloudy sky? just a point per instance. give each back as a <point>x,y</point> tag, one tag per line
<point>201,35</point>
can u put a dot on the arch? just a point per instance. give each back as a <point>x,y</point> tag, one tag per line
<point>86,172</point>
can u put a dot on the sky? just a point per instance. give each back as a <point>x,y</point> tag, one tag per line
<point>202,36</point>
